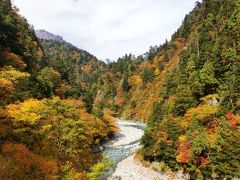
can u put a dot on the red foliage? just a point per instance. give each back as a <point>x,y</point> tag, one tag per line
<point>184,152</point>
<point>211,127</point>
<point>202,161</point>
<point>233,120</point>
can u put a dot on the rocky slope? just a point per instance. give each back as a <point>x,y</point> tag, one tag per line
<point>43,34</point>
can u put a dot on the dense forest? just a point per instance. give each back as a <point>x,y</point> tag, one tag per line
<point>188,92</point>
<point>44,134</point>
<point>57,101</point>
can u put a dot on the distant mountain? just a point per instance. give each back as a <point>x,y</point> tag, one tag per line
<point>43,34</point>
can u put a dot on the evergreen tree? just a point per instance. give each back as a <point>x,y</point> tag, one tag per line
<point>125,85</point>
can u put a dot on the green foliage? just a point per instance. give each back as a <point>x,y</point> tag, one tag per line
<point>98,112</point>
<point>125,85</point>
<point>125,65</point>
<point>169,84</point>
<point>88,100</point>
<point>147,76</point>
<point>206,145</point>
<point>99,169</point>
<point>17,36</point>
<point>65,58</point>
<point>184,100</point>
<point>159,141</point>
<point>48,79</point>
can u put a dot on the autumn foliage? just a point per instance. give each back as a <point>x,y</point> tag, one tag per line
<point>18,162</point>
<point>233,120</point>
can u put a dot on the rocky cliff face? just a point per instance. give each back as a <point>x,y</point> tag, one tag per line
<point>42,34</point>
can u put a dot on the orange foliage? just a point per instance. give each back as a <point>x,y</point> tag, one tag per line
<point>198,171</point>
<point>111,123</point>
<point>175,59</point>
<point>19,162</point>
<point>233,120</point>
<point>13,60</point>
<point>6,87</point>
<point>119,99</point>
<point>184,152</point>
<point>202,161</point>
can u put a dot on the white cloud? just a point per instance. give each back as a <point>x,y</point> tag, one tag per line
<point>108,28</point>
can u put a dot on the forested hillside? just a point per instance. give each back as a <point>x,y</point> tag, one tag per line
<point>44,134</point>
<point>56,100</point>
<point>188,91</point>
<point>195,124</point>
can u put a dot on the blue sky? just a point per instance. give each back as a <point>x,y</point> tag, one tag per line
<point>108,28</point>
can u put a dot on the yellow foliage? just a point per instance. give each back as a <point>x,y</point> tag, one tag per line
<point>25,112</point>
<point>212,137</point>
<point>203,113</point>
<point>79,104</point>
<point>135,80</point>
<point>238,103</point>
<point>171,100</point>
<point>182,138</point>
<point>157,72</point>
<point>12,74</point>
<point>209,97</point>
<point>211,100</point>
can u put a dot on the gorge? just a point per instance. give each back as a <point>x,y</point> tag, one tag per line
<point>59,105</point>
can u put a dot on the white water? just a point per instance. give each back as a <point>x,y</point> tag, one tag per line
<point>121,152</point>
<point>125,143</point>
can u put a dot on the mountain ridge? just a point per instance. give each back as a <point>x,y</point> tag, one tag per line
<point>43,34</point>
<point>187,91</point>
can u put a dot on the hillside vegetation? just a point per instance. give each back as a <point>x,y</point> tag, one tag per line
<point>44,134</point>
<point>195,124</point>
<point>188,92</point>
<point>57,100</point>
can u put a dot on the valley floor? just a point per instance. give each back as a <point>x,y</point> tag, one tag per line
<point>131,169</point>
<point>124,147</point>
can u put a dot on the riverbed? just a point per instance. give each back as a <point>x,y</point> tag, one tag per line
<point>121,151</point>
<point>124,144</point>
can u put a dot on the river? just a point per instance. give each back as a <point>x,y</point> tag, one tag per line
<point>121,150</point>
<point>125,143</point>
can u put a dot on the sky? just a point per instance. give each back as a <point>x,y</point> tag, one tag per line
<point>108,29</point>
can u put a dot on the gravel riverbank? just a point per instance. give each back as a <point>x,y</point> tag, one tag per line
<point>124,147</point>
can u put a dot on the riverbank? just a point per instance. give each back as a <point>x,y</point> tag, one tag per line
<point>122,151</point>
<point>131,169</point>
<point>128,133</point>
